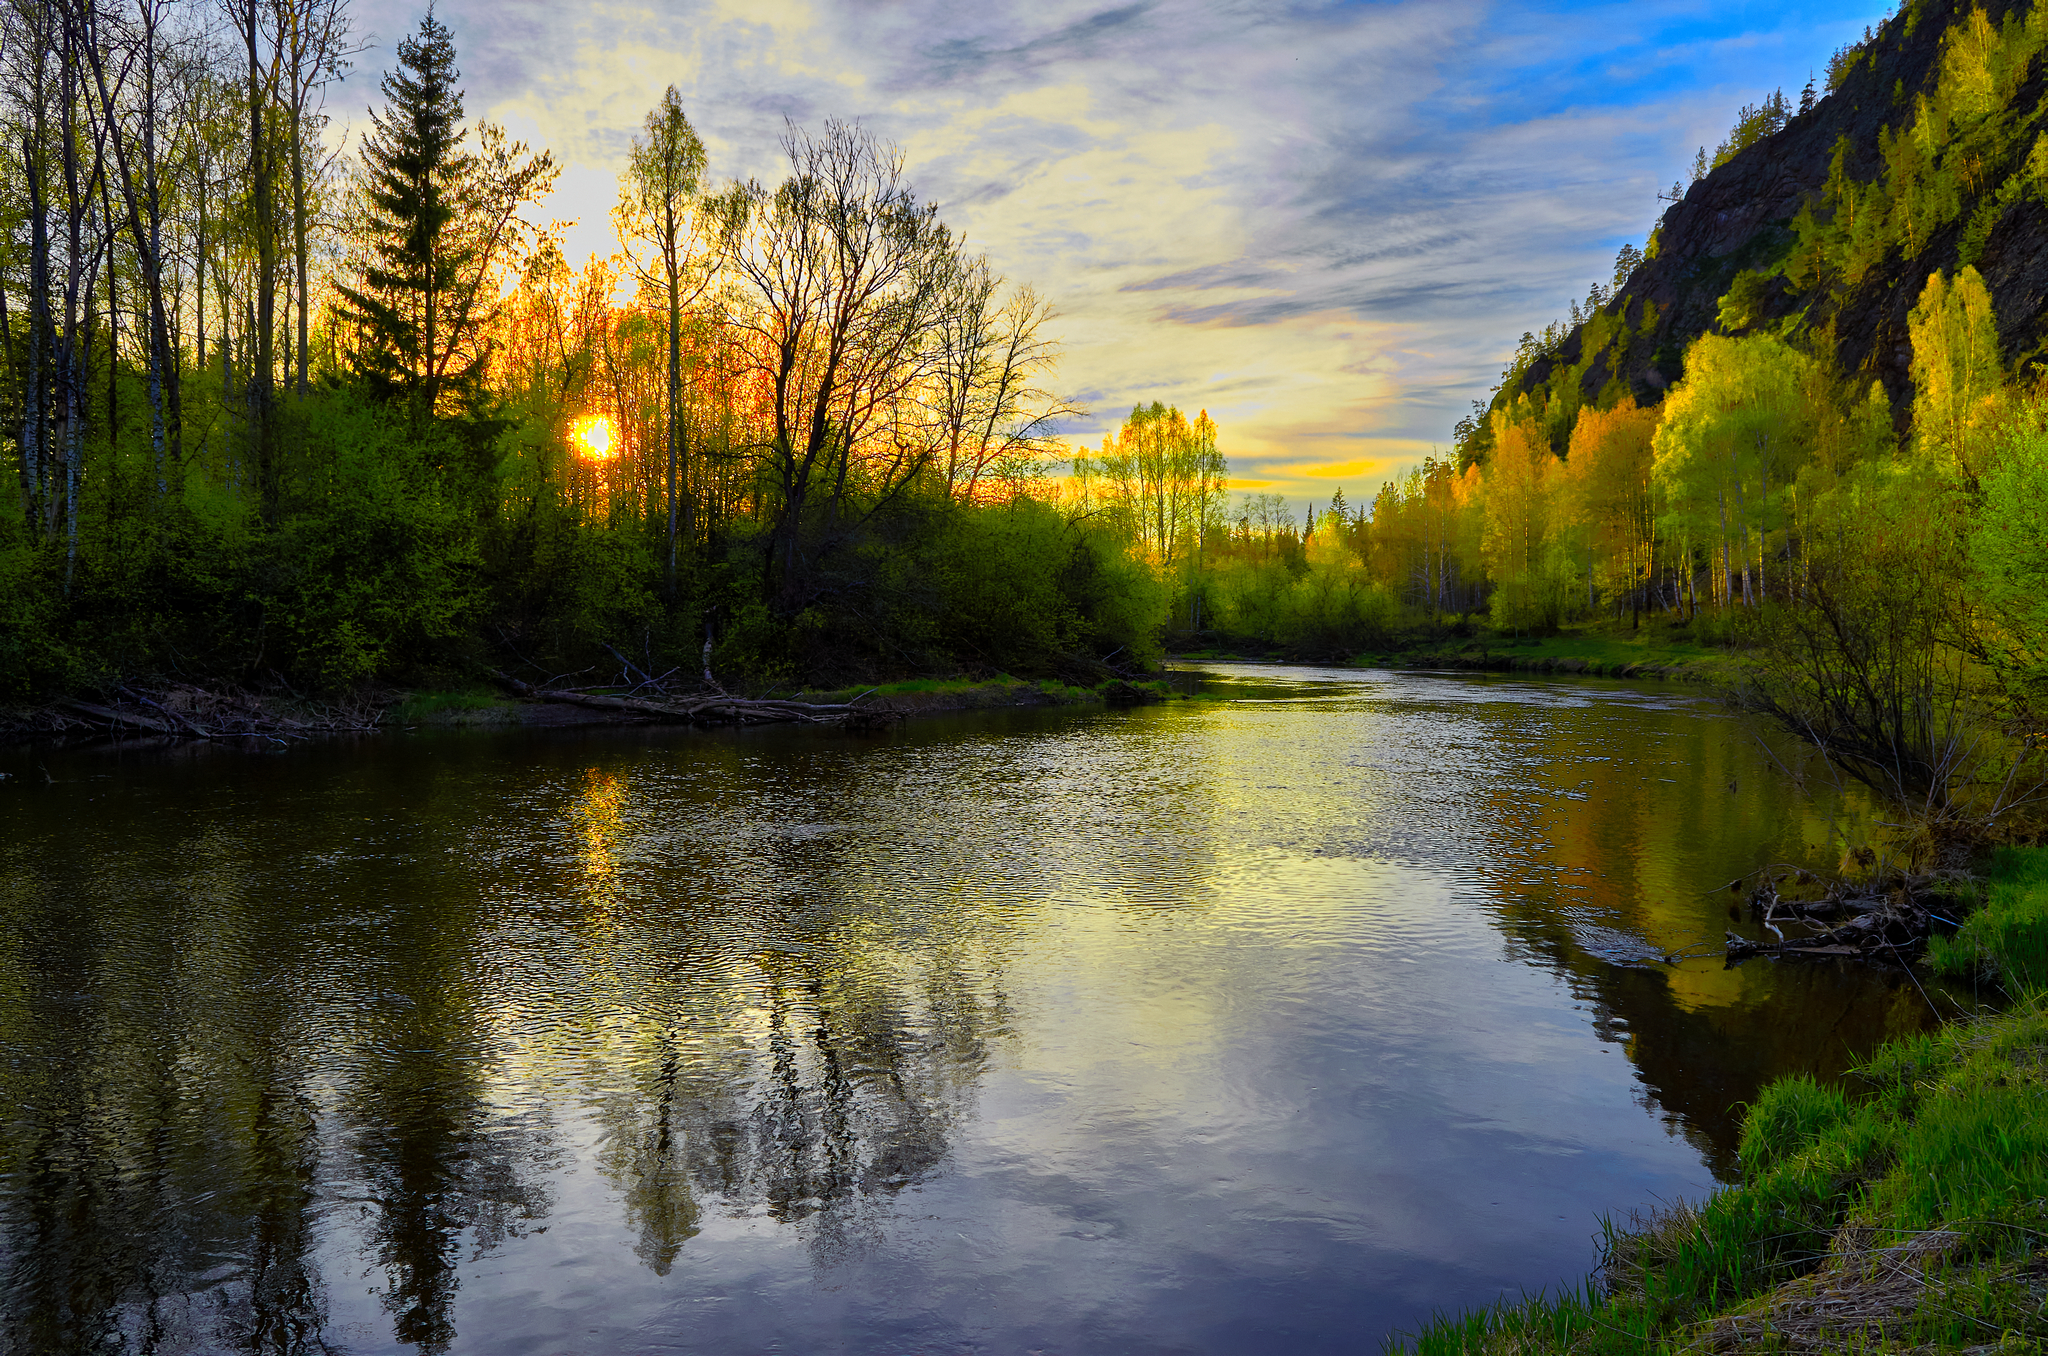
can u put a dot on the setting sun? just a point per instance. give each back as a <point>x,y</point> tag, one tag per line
<point>596,437</point>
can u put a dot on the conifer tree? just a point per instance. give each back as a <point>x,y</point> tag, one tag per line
<point>414,165</point>
<point>1626,262</point>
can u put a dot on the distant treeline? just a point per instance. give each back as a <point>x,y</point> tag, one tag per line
<point>1872,535</point>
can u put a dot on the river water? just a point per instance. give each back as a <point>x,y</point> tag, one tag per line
<point>1264,1023</point>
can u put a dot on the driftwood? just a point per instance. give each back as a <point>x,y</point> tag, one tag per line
<point>715,709</point>
<point>229,715</point>
<point>107,715</point>
<point>1887,922</point>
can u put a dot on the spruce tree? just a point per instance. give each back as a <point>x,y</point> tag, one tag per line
<point>415,170</point>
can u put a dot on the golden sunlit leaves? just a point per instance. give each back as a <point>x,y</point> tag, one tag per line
<point>596,437</point>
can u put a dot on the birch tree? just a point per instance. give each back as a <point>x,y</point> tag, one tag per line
<point>660,209</point>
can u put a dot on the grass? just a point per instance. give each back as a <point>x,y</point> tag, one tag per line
<point>1003,685</point>
<point>2006,936</point>
<point>468,706</point>
<point>1905,1211</point>
<point>1603,648</point>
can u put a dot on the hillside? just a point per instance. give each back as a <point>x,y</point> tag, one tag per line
<point>1925,153</point>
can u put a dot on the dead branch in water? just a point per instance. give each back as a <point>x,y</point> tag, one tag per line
<point>1888,917</point>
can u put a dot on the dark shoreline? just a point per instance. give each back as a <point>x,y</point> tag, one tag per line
<point>188,713</point>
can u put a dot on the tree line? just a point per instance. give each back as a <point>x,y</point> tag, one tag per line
<point>277,412</point>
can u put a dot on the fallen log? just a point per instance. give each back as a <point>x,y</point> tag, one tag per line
<point>115,718</point>
<point>190,727</point>
<point>1886,920</point>
<point>712,710</point>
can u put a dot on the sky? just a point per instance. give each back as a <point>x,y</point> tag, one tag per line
<point>1325,223</point>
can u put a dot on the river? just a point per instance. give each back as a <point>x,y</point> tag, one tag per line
<point>1271,1020</point>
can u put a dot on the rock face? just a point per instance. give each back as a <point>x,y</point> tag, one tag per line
<point>1740,217</point>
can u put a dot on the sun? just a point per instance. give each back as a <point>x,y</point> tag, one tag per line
<point>596,437</point>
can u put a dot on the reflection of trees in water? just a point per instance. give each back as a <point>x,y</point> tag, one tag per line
<point>654,1171</point>
<point>838,1084</point>
<point>1606,849</point>
<point>222,1078</point>
<point>844,1112</point>
<point>171,1023</point>
<point>801,1045</point>
<point>283,1308</point>
<point>162,1157</point>
<point>433,1161</point>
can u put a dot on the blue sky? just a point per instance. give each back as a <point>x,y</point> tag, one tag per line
<point>1326,223</point>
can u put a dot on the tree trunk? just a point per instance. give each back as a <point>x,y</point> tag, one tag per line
<point>1727,579</point>
<point>35,419</point>
<point>301,270</point>
<point>263,360</point>
<point>1763,587</point>
<point>675,407</point>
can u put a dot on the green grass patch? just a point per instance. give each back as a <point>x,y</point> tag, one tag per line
<point>1907,1210</point>
<point>428,708</point>
<point>1602,649</point>
<point>2006,935</point>
<point>1003,689</point>
<point>900,687</point>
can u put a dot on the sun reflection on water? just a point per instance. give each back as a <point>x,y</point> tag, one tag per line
<point>598,816</point>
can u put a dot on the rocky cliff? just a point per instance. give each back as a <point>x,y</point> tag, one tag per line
<point>1743,217</point>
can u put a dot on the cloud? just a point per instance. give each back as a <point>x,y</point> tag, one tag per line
<point>1325,221</point>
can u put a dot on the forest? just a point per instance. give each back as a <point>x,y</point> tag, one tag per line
<point>281,414</point>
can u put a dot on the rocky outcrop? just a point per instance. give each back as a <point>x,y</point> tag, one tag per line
<point>1740,217</point>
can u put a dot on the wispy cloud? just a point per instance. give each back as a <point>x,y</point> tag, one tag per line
<point>1325,222</point>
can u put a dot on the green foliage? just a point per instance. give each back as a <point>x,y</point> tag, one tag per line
<point>33,656</point>
<point>1626,261</point>
<point>432,222</point>
<point>415,165</point>
<point>1729,447</point>
<point>1842,64</point>
<point>998,576</point>
<point>1957,373</point>
<point>1742,306</point>
<point>1320,603</point>
<point>1968,146</point>
<point>1754,122</point>
<point>2008,547</point>
<point>1787,1116</point>
<point>1122,604</point>
<point>377,564</point>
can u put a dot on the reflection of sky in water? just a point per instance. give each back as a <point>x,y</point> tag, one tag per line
<point>1206,1027</point>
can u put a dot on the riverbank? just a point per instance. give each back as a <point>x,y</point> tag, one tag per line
<point>1906,1211</point>
<point>180,711</point>
<point>1651,653</point>
<point>1655,650</point>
